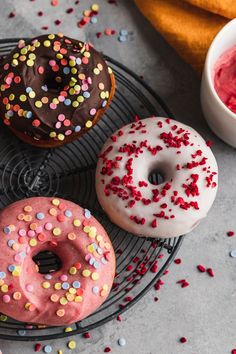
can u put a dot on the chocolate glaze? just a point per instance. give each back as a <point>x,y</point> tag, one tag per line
<point>65,63</point>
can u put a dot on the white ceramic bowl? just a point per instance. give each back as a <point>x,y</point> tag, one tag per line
<point>219,117</point>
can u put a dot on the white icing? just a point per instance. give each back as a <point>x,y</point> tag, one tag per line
<point>165,161</point>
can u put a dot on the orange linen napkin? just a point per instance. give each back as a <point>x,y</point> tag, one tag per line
<point>189,25</point>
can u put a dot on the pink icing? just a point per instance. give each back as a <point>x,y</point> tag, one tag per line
<point>29,296</point>
<point>225,78</point>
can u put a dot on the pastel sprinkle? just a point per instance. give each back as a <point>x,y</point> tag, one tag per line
<point>48,226</point>
<point>76,222</point>
<point>122,341</point>
<point>56,202</point>
<point>68,329</point>
<point>46,285</point>
<point>71,344</point>
<point>68,213</point>
<point>86,273</point>
<point>95,290</point>
<point>21,332</point>
<point>40,216</point>
<point>46,43</point>
<point>60,312</point>
<point>76,284</point>
<point>6,299</point>
<point>47,349</point>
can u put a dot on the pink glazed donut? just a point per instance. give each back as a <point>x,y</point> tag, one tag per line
<point>70,294</point>
<point>182,157</point>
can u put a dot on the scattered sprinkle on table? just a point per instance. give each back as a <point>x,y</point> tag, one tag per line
<point>123,35</point>
<point>154,267</point>
<point>47,349</point>
<point>107,350</point>
<point>71,344</point>
<point>210,272</point>
<point>37,347</point>
<point>183,283</point>
<point>183,340</point>
<point>201,268</point>
<point>177,261</point>
<point>87,335</point>
<point>12,14</point>
<point>122,342</point>
<point>67,329</point>
<point>70,10</point>
<point>230,233</point>
<point>122,38</point>
<point>57,22</point>
<point>55,2</point>
<point>233,253</point>
<point>123,32</point>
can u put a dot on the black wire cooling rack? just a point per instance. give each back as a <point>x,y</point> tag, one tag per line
<point>69,172</point>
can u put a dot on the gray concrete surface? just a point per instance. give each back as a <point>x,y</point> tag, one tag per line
<point>205,312</point>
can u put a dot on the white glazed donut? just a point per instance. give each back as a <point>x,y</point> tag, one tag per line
<point>184,159</point>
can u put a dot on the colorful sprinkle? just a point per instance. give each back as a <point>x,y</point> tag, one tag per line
<point>122,342</point>
<point>71,344</point>
<point>47,349</point>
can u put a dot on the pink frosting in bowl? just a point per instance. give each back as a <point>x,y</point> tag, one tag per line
<point>225,78</point>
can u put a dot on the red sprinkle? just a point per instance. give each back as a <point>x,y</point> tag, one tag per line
<point>128,298</point>
<point>57,22</point>
<point>230,233</point>
<point>99,34</point>
<point>154,268</point>
<point>129,267</point>
<point>37,347</point>
<point>201,268</point>
<point>12,14</point>
<point>184,284</point>
<point>177,261</point>
<point>233,351</point>
<point>87,335</point>
<point>45,28</point>
<point>118,318</point>
<point>70,10</point>
<point>107,350</point>
<point>209,143</point>
<point>183,340</point>
<point>210,272</point>
<point>158,284</point>
<point>40,13</point>
<point>154,224</point>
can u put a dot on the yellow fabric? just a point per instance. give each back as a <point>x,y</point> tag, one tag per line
<point>189,25</point>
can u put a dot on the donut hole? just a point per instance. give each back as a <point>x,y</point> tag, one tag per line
<point>52,85</point>
<point>47,261</point>
<point>156,177</point>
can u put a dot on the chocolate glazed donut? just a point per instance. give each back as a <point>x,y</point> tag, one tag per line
<point>53,89</point>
